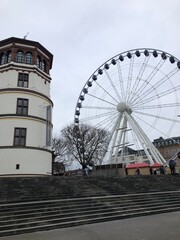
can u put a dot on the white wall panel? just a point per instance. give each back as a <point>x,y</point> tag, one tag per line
<point>37,104</point>
<point>36,132</point>
<point>30,161</point>
<point>9,79</point>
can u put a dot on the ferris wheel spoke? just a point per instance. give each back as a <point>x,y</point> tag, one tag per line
<point>112,84</point>
<point>100,108</point>
<point>148,79</point>
<point>159,95</point>
<point>106,92</point>
<point>158,117</point>
<point>160,106</point>
<point>149,125</point>
<point>138,79</point>
<point>130,79</point>
<point>121,81</point>
<point>101,99</point>
<point>107,122</point>
<point>159,83</point>
<point>97,116</point>
<point>129,82</point>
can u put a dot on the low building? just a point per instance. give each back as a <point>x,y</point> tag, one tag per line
<point>144,169</point>
<point>131,156</point>
<point>109,170</point>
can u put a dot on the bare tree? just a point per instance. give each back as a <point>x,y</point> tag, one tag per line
<point>85,144</point>
<point>58,147</point>
<point>60,155</point>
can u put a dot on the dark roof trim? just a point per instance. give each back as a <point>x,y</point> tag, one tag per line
<point>27,42</point>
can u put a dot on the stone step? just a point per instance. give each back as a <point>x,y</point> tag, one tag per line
<point>58,218</point>
<point>44,203</point>
<point>123,206</point>
<point>88,201</point>
<point>101,218</point>
<point>78,211</point>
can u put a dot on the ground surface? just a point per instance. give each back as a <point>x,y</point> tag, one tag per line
<point>156,227</point>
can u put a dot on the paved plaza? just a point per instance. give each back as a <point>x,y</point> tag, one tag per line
<point>156,227</point>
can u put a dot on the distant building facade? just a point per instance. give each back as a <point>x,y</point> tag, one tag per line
<point>25,108</point>
<point>168,148</point>
<point>131,156</point>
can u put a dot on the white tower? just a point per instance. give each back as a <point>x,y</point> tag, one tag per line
<point>25,108</point>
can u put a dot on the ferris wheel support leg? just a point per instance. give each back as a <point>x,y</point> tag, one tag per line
<point>140,137</point>
<point>149,146</point>
<point>124,136</point>
<point>114,135</point>
<point>120,138</point>
<point>154,152</point>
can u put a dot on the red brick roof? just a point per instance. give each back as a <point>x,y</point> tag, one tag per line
<point>138,165</point>
<point>156,165</point>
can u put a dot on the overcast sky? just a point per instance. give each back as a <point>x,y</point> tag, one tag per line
<point>82,34</point>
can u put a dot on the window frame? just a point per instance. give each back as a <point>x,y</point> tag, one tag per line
<point>28,58</point>
<point>20,135</point>
<point>23,106</point>
<point>38,61</point>
<point>8,56</point>
<point>20,56</point>
<point>24,79</point>
<point>17,166</point>
<point>2,58</point>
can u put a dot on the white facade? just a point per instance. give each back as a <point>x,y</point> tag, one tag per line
<point>128,159</point>
<point>25,108</point>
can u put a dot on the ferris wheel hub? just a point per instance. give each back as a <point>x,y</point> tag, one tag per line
<point>122,107</point>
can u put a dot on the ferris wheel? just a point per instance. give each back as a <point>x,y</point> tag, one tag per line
<point>135,96</point>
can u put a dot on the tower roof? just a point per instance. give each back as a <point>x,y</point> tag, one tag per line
<point>27,42</point>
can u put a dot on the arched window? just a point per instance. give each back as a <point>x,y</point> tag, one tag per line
<point>44,65</point>
<point>2,58</point>
<point>38,62</point>
<point>8,56</point>
<point>28,58</point>
<point>20,57</point>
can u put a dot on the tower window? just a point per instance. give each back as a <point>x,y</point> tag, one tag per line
<point>22,106</point>
<point>28,58</point>
<point>17,166</point>
<point>2,58</point>
<point>38,62</point>
<point>44,65</point>
<point>23,80</point>
<point>19,136</point>
<point>8,56</point>
<point>20,57</point>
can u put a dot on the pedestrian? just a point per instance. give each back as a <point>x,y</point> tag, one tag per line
<point>172,166</point>
<point>137,171</point>
<point>162,170</point>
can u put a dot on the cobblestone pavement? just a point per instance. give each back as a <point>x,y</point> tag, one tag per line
<point>156,227</point>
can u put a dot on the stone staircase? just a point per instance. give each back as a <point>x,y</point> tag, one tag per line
<point>44,203</point>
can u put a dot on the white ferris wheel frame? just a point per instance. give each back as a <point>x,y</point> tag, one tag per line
<point>124,109</point>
